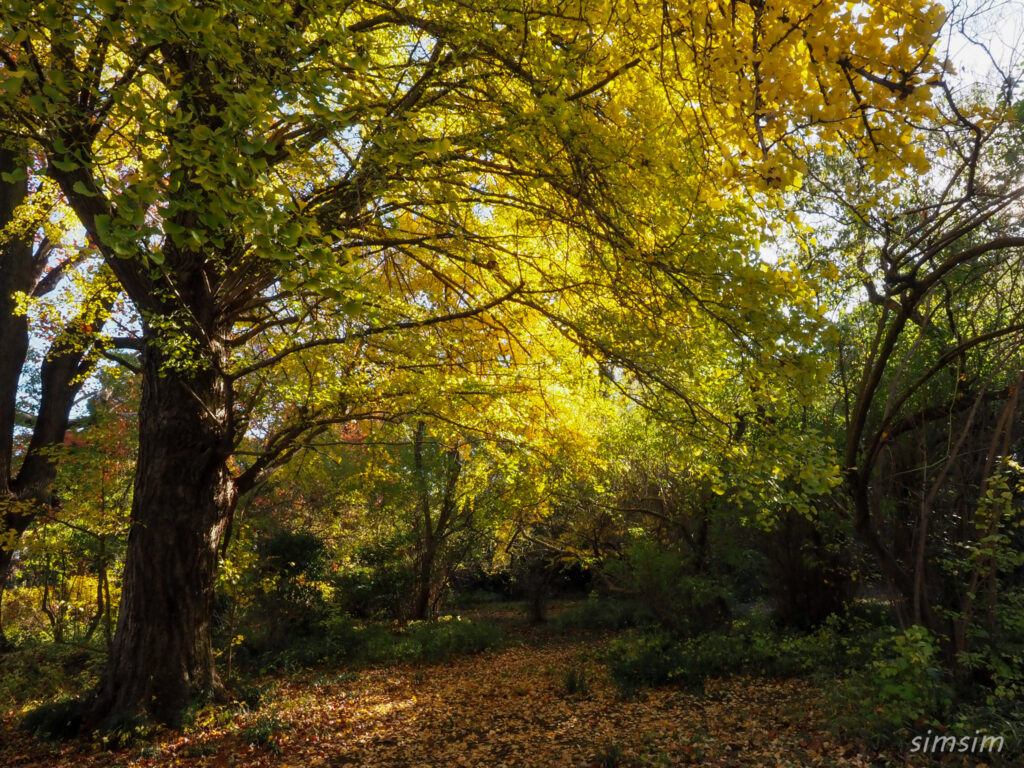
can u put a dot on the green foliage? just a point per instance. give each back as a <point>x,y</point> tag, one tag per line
<point>58,721</point>
<point>281,592</point>
<point>378,581</point>
<point>639,659</point>
<point>125,730</point>
<point>264,732</point>
<point>289,555</point>
<point>905,684</point>
<point>1005,719</point>
<point>439,640</point>
<point>575,681</point>
<point>249,697</point>
<point>38,671</point>
<point>600,612</point>
<point>340,639</point>
<point>662,581</point>
<point>62,720</point>
<point>993,702</point>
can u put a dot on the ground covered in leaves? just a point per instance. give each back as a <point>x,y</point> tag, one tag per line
<point>537,704</point>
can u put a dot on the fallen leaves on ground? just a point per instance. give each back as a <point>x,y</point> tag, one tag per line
<point>508,708</point>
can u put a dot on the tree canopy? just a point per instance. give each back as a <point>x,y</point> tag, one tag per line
<point>490,231</point>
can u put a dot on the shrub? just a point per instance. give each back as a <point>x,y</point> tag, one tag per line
<point>637,660</point>
<point>264,733</point>
<point>340,639</point>
<point>125,731</point>
<point>378,582</point>
<point>59,721</point>
<point>662,581</point>
<point>905,684</point>
<point>44,671</point>
<point>609,755</point>
<point>439,640</point>
<point>599,612</point>
<point>575,682</point>
<point>288,599</point>
<point>291,555</point>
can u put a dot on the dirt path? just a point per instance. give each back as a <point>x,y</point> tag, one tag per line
<point>505,708</point>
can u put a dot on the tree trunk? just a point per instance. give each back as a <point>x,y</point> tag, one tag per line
<point>535,587</point>
<point>425,581</point>
<point>163,653</point>
<point>425,530</point>
<point>6,557</point>
<point>16,275</point>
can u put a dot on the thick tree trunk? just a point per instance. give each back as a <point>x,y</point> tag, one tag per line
<point>163,655</point>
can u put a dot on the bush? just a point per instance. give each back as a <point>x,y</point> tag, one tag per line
<point>640,659</point>
<point>59,721</point>
<point>637,660</point>
<point>599,612</point>
<point>575,681</point>
<point>44,671</point>
<point>125,731</point>
<point>340,639</point>
<point>288,597</point>
<point>291,555</point>
<point>905,685</point>
<point>809,572</point>
<point>379,581</point>
<point>264,733</point>
<point>661,580</point>
<point>439,640</point>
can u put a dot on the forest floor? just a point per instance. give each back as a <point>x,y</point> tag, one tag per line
<point>507,707</point>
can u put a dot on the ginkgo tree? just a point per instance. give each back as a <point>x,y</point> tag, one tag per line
<point>296,189</point>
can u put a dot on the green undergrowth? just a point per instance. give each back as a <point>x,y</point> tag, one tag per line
<point>38,671</point>
<point>343,641</point>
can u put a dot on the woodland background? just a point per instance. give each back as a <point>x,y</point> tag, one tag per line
<point>651,350</point>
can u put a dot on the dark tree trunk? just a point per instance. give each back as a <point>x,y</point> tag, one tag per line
<point>432,534</point>
<point>6,556</point>
<point>424,583</point>
<point>163,656</point>
<point>16,274</point>
<point>535,588</point>
<point>425,529</point>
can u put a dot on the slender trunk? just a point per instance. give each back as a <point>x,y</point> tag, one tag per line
<point>900,585</point>
<point>16,275</point>
<point>425,526</point>
<point>986,567</point>
<point>6,557</point>
<point>101,607</point>
<point>231,640</point>
<point>108,630</point>
<point>425,578</point>
<point>163,654</point>
<point>535,588</point>
<point>921,593</point>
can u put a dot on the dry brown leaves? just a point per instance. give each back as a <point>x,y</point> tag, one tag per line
<point>502,709</point>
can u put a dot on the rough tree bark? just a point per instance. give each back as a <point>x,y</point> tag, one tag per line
<point>163,654</point>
